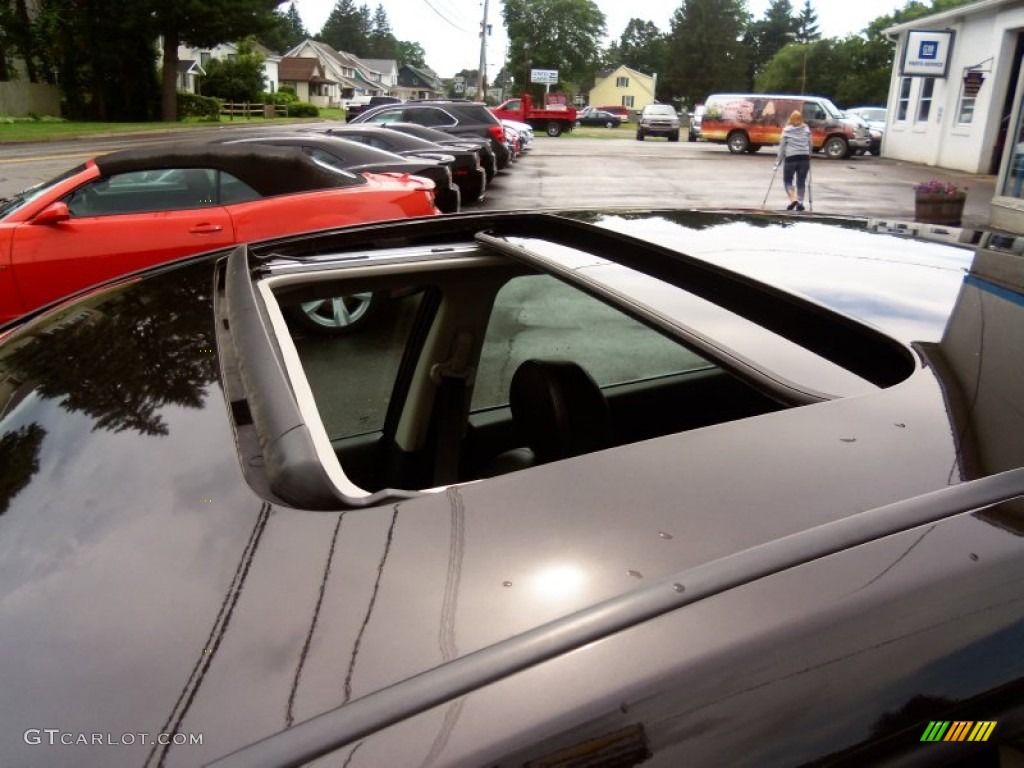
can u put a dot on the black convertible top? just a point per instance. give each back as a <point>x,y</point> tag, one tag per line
<point>267,169</point>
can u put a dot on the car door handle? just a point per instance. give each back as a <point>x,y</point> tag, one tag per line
<point>205,229</point>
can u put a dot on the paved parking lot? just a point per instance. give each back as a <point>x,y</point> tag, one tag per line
<point>601,172</point>
<point>573,171</point>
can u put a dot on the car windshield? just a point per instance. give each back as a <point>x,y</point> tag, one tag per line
<point>660,109</point>
<point>11,204</point>
<point>832,109</point>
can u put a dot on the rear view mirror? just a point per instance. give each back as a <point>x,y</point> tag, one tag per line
<point>54,214</point>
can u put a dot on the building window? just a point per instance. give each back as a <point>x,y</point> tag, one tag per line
<point>924,101</point>
<point>965,110</point>
<point>1013,184</point>
<point>903,104</point>
<point>204,58</point>
<point>627,101</point>
<point>622,82</point>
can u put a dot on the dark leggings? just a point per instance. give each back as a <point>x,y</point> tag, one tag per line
<point>797,165</point>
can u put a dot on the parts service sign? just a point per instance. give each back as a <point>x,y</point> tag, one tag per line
<point>926,53</point>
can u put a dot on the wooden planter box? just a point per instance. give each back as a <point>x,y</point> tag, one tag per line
<point>939,209</point>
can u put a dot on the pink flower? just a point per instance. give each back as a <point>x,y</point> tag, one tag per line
<point>942,188</point>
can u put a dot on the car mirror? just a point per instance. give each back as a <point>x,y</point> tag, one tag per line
<point>54,214</point>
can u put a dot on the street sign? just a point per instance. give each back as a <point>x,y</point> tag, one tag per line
<point>548,76</point>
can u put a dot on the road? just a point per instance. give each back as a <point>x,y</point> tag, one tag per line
<point>593,172</point>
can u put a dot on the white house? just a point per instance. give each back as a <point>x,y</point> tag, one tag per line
<point>956,94</point>
<point>192,64</point>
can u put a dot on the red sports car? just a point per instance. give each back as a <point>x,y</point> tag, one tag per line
<point>127,210</point>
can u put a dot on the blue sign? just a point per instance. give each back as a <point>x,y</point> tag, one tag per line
<point>929,49</point>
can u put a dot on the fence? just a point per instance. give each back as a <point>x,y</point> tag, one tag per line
<point>249,111</point>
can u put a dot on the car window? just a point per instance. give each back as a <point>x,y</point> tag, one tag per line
<point>430,117</point>
<point>324,158</point>
<point>613,347</point>
<point>813,111</point>
<point>386,116</point>
<point>145,191</point>
<point>234,190</point>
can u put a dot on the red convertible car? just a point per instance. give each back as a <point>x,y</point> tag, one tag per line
<point>132,209</point>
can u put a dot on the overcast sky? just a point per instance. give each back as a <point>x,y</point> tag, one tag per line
<point>447,29</point>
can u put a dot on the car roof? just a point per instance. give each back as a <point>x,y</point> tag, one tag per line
<point>252,617</point>
<point>267,169</point>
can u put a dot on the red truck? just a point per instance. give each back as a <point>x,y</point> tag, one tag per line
<point>553,119</point>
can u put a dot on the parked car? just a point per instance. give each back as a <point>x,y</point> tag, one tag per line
<point>622,112</point>
<point>481,146</point>
<point>875,148</point>
<point>466,170</point>
<point>599,117</point>
<point>360,104</point>
<point>695,119</point>
<point>612,488</point>
<point>524,130</point>
<point>747,121</point>
<point>357,157</point>
<point>875,117</point>
<point>458,118</point>
<point>132,209</point>
<point>658,120</point>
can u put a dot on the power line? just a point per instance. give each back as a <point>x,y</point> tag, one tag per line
<point>445,18</point>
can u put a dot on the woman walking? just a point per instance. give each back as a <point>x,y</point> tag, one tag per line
<point>795,154</point>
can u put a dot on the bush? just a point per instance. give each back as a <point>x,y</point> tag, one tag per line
<point>302,109</point>
<point>281,97</point>
<point>192,105</point>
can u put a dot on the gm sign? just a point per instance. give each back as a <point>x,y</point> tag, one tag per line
<point>926,53</point>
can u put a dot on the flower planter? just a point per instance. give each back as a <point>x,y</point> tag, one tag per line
<point>931,208</point>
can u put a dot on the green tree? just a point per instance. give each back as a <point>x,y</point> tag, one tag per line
<point>771,34</point>
<point>236,79</point>
<point>807,25</point>
<point>115,80</point>
<point>347,27</point>
<point>202,23</point>
<point>641,47</point>
<point>410,53</point>
<point>705,51</point>
<point>553,34</point>
<point>381,43</point>
<point>287,32</point>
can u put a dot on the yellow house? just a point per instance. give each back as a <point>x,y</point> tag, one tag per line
<point>623,87</point>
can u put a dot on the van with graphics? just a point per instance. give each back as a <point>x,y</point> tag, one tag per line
<point>745,122</point>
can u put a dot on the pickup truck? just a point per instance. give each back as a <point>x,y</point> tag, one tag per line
<point>553,119</point>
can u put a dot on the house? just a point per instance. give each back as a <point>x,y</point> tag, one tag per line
<point>19,96</point>
<point>198,58</point>
<point>956,97</point>
<point>346,74</point>
<point>418,83</point>
<point>306,77</point>
<point>388,69</point>
<point>623,87</point>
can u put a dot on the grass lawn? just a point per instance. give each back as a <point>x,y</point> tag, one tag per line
<point>49,131</point>
<point>624,131</point>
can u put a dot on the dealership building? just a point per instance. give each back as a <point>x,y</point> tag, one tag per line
<point>956,97</point>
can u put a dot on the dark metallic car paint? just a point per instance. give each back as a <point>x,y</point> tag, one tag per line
<point>145,587</point>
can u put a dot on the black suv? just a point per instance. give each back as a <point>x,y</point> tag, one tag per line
<point>459,118</point>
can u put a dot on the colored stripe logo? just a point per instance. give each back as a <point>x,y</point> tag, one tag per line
<point>958,730</point>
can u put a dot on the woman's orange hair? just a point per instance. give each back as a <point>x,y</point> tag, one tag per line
<point>796,117</point>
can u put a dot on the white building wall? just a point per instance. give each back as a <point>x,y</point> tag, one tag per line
<point>985,40</point>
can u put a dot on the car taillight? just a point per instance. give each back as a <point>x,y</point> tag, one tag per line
<point>497,133</point>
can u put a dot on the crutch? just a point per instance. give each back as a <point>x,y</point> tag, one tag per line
<point>810,186</point>
<point>775,169</point>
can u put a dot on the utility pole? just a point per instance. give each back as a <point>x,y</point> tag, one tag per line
<point>482,75</point>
